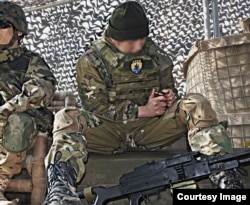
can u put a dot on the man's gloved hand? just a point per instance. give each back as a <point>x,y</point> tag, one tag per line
<point>5,110</point>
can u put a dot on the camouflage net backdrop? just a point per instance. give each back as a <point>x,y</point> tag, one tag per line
<point>60,30</point>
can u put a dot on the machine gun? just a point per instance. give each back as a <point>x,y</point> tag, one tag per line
<point>154,177</point>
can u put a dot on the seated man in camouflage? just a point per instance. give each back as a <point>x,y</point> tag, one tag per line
<point>26,87</point>
<point>128,92</point>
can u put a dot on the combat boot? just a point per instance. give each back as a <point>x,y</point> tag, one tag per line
<point>4,181</point>
<point>61,184</point>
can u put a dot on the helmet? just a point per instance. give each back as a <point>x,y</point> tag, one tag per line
<point>14,14</point>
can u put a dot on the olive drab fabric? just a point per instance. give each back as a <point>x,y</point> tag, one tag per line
<point>21,73</point>
<point>26,86</point>
<point>111,78</point>
<point>112,85</point>
<point>18,132</point>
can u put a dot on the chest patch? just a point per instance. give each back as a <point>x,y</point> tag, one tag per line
<point>136,66</point>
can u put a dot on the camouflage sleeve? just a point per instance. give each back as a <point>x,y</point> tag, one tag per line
<point>166,73</point>
<point>38,89</point>
<point>94,95</point>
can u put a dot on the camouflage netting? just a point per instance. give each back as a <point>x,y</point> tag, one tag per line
<point>60,30</point>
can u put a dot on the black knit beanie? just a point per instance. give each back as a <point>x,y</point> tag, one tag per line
<point>128,22</point>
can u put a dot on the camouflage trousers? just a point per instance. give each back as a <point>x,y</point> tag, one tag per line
<point>192,116</point>
<point>11,163</point>
<point>102,135</point>
<point>72,126</point>
<point>73,149</point>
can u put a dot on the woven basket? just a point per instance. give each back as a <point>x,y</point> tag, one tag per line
<point>219,69</point>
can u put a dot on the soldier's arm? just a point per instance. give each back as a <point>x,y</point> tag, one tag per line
<point>169,90</point>
<point>93,93</point>
<point>166,73</point>
<point>37,91</point>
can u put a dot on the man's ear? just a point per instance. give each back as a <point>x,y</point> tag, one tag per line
<point>19,33</point>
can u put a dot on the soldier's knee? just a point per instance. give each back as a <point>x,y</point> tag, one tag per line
<point>198,110</point>
<point>19,132</point>
<point>68,120</point>
<point>205,133</point>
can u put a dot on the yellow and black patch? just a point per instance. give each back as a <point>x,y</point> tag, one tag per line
<point>136,66</point>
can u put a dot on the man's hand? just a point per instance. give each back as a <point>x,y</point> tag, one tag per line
<point>170,96</point>
<point>156,106</point>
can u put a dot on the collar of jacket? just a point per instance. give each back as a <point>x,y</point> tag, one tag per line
<point>11,54</point>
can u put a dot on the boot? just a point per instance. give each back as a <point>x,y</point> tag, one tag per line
<point>61,184</point>
<point>4,181</point>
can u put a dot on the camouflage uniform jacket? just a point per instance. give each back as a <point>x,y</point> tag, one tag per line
<point>113,84</point>
<point>27,83</point>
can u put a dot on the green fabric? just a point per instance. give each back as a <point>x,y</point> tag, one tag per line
<point>112,137</point>
<point>108,88</point>
<point>21,72</point>
<point>128,21</point>
<point>18,132</point>
<point>212,140</point>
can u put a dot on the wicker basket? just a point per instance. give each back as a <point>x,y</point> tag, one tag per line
<point>219,69</point>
